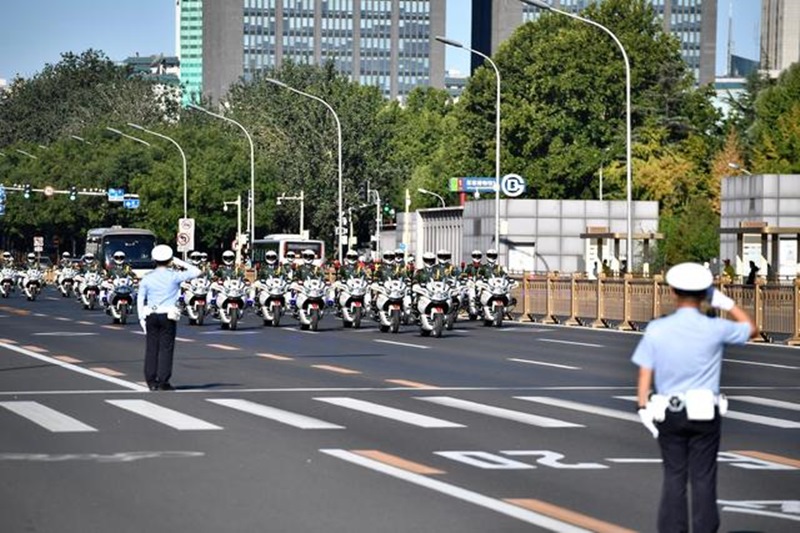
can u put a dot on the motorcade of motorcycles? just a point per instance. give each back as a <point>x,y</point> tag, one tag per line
<point>272,299</point>
<point>120,299</point>
<point>434,300</point>
<point>351,301</point>
<point>32,283</point>
<point>89,289</point>
<point>309,305</point>
<point>65,281</point>
<point>194,300</point>
<point>7,277</point>
<point>390,301</point>
<point>230,301</point>
<point>495,298</point>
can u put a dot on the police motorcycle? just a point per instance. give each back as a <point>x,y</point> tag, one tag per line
<point>194,298</point>
<point>390,304</point>
<point>469,295</point>
<point>89,285</point>
<point>32,279</point>
<point>495,294</point>
<point>455,285</point>
<point>65,279</point>
<point>433,302</point>
<point>230,297</point>
<point>270,290</point>
<point>8,275</point>
<point>308,305</point>
<point>120,298</point>
<point>351,304</point>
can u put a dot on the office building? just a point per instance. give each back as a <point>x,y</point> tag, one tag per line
<point>386,43</point>
<point>694,22</point>
<point>780,35</point>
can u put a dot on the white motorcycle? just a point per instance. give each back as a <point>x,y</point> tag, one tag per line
<point>89,289</point>
<point>7,278</point>
<point>32,283</point>
<point>272,299</point>
<point>194,300</point>
<point>66,281</point>
<point>495,299</point>
<point>120,298</point>
<point>351,301</point>
<point>309,306</point>
<point>231,303</point>
<point>390,304</point>
<point>433,305</point>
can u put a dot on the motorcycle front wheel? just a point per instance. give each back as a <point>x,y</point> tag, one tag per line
<point>234,323</point>
<point>201,314</point>
<point>92,301</point>
<point>123,314</point>
<point>499,311</point>
<point>314,319</point>
<point>357,318</point>
<point>394,326</point>
<point>438,325</point>
<point>276,317</point>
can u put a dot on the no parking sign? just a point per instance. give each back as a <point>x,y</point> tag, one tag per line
<point>185,238</point>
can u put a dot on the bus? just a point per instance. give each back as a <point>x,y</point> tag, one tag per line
<point>285,242</point>
<point>135,242</point>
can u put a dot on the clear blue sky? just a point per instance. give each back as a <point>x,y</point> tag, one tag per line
<point>35,32</point>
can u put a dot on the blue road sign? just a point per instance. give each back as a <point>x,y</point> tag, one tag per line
<point>131,203</point>
<point>2,209</point>
<point>116,195</point>
<point>2,193</point>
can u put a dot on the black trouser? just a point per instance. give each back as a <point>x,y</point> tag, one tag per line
<point>160,347</point>
<point>689,453</point>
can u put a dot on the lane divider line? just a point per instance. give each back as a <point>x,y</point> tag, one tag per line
<point>274,356</point>
<point>574,343</point>
<point>399,462</point>
<point>405,344</point>
<point>40,315</point>
<point>475,498</point>
<point>780,404</point>
<point>770,457</point>
<point>107,371</point>
<point>115,328</point>
<point>566,515</point>
<point>62,319</point>
<point>337,369</point>
<point>225,347</point>
<point>770,365</point>
<point>69,366</point>
<point>183,339</point>
<point>67,359</point>
<point>541,363</point>
<point>86,323</point>
<point>412,384</point>
<point>36,349</point>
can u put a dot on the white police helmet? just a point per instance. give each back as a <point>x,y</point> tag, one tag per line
<point>161,253</point>
<point>271,257</point>
<point>428,259</point>
<point>66,255</point>
<point>691,277</point>
<point>477,255</point>
<point>352,257</point>
<point>228,257</point>
<point>309,256</point>
<point>119,257</point>
<point>388,256</point>
<point>31,257</point>
<point>195,257</point>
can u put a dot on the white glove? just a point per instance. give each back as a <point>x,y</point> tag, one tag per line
<point>143,323</point>
<point>720,301</point>
<point>647,419</point>
<point>179,262</point>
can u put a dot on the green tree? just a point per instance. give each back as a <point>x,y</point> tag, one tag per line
<point>776,129</point>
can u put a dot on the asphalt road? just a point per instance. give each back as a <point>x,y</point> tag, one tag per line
<point>523,428</point>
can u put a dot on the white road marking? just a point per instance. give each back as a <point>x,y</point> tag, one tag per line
<point>528,361</point>
<point>228,332</point>
<point>163,415</point>
<point>583,407</point>
<point>62,319</point>
<point>499,412</point>
<point>40,315</point>
<point>514,511</point>
<point>746,417</point>
<point>767,401</point>
<point>74,368</point>
<point>574,343</point>
<point>399,415</point>
<point>406,344</point>
<point>771,365</point>
<point>278,415</point>
<point>301,330</point>
<point>65,334</point>
<point>49,419</point>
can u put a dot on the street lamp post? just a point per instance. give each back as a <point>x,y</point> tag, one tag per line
<point>338,238</point>
<point>183,157</point>
<point>426,191</point>
<point>27,154</point>
<point>252,206</point>
<point>301,199</point>
<point>238,204</point>
<point>740,168</point>
<point>131,137</point>
<point>457,44</point>
<point>629,168</point>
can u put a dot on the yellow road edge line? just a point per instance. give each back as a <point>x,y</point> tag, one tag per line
<point>772,458</point>
<point>337,369</point>
<point>276,357</point>
<point>566,515</point>
<point>398,462</point>
<point>14,310</point>
<point>36,349</point>
<point>412,384</point>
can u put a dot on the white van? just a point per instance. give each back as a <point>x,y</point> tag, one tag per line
<point>285,242</point>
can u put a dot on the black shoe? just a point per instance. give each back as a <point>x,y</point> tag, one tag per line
<point>166,386</point>
<point>152,386</point>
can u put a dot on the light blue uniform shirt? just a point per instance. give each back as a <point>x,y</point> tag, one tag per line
<point>684,350</point>
<point>161,287</point>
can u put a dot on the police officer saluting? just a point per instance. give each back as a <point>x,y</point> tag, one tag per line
<point>159,314</point>
<point>683,353</point>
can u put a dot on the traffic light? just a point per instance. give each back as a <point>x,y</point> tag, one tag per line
<point>73,193</point>
<point>388,211</point>
<point>26,191</point>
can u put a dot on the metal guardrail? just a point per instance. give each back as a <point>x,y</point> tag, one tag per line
<point>630,303</point>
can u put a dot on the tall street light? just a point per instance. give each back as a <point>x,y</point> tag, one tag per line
<point>183,156</point>
<point>457,44</point>
<point>426,191</point>
<point>252,215</point>
<point>629,169</point>
<point>338,239</point>
<point>238,204</point>
<point>301,199</point>
<point>131,137</point>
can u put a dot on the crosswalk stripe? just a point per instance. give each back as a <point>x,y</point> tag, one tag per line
<point>500,412</point>
<point>272,413</point>
<point>163,415</point>
<point>399,415</point>
<point>586,408</point>
<point>768,402</point>
<point>46,417</point>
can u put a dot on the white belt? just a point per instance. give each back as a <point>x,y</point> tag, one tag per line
<point>161,309</point>
<point>698,403</point>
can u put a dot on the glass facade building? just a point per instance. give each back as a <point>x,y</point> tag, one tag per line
<point>189,47</point>
<point>386,43</point>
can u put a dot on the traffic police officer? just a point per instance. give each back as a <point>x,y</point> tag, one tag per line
<point>159,314</point>
<point>683,353</point>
